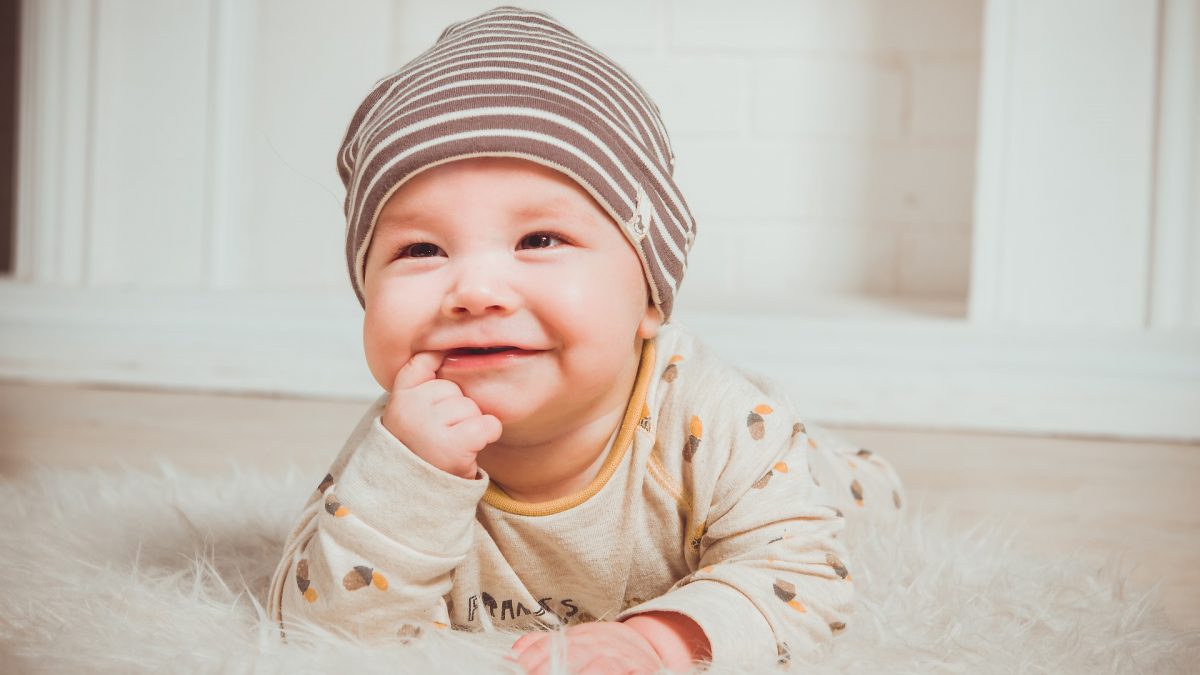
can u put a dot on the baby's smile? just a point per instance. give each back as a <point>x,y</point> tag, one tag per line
<point>472,359</point>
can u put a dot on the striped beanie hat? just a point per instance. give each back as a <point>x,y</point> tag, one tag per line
<point>516,83</point>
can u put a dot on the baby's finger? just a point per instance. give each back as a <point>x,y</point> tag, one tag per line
<point>476,432</point>
<point>541,656</point>
<point>597,664</point>
<point>451,411</point>
<point>516,664</point>
<point>522,643</point>
<point>421,367</point>
<point>536,657</point>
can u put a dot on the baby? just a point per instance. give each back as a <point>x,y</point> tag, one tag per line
<point>551,451</point>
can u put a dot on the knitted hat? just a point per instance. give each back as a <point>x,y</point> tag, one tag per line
<point>516,83</point>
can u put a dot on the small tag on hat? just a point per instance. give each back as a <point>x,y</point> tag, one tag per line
<point>641,221</point>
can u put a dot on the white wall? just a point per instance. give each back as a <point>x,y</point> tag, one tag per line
<point>941,213</point>
<point>841,133</point>
<point>825,148</point>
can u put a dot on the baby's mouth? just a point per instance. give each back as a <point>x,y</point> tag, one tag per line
<point>487,357</point>
<point>473,351</point>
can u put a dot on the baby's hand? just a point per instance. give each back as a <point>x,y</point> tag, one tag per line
<point>435,420</point>
<point>595,648</point>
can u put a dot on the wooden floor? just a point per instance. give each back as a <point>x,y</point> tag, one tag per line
<point>1084,497</point>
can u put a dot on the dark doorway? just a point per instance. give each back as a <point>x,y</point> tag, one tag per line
<point>10,31</point>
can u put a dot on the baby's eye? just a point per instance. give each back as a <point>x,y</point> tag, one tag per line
<point>421,246</point>
<point>542,239</point>
<point>426,250</point>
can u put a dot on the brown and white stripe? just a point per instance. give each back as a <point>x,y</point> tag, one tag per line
<point>516,83</point>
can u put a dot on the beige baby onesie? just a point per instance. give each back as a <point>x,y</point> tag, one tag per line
<point>715,500</point>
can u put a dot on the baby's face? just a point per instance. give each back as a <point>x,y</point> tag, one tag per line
<point>498,251</point>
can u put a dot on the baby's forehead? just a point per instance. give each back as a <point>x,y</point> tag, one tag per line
<point>519,189</point>
<point>442,207</point>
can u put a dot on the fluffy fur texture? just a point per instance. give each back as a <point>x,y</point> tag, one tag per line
<point>164,571</point>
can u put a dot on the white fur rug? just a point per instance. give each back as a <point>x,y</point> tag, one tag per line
<point>163,571</point>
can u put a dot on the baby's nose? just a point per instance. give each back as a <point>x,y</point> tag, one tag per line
<point>479,288</point>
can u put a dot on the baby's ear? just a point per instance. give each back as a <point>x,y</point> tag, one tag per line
<point>650,323</point>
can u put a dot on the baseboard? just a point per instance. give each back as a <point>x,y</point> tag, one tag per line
<point>871,369</point>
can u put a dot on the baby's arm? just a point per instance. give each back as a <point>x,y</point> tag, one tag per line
<point>771,576</point>
<point>373,553</point>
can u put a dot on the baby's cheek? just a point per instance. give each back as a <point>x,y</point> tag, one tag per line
<point>382,351</point>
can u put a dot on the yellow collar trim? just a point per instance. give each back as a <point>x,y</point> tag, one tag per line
<point>634,411</point>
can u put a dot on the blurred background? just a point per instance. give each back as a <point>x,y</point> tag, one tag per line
<point>927,214</point>
<point>963,233</point>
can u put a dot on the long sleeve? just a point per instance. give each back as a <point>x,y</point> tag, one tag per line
<point>770,578</point>
<point>375,547</point>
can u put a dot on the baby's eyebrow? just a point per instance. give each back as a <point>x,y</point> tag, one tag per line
<point>387,223</point>
<point>549,208</point>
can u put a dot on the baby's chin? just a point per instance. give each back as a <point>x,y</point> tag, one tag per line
<point>502,399</point>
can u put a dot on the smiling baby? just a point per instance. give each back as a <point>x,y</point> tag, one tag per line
<point>551,451</point>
